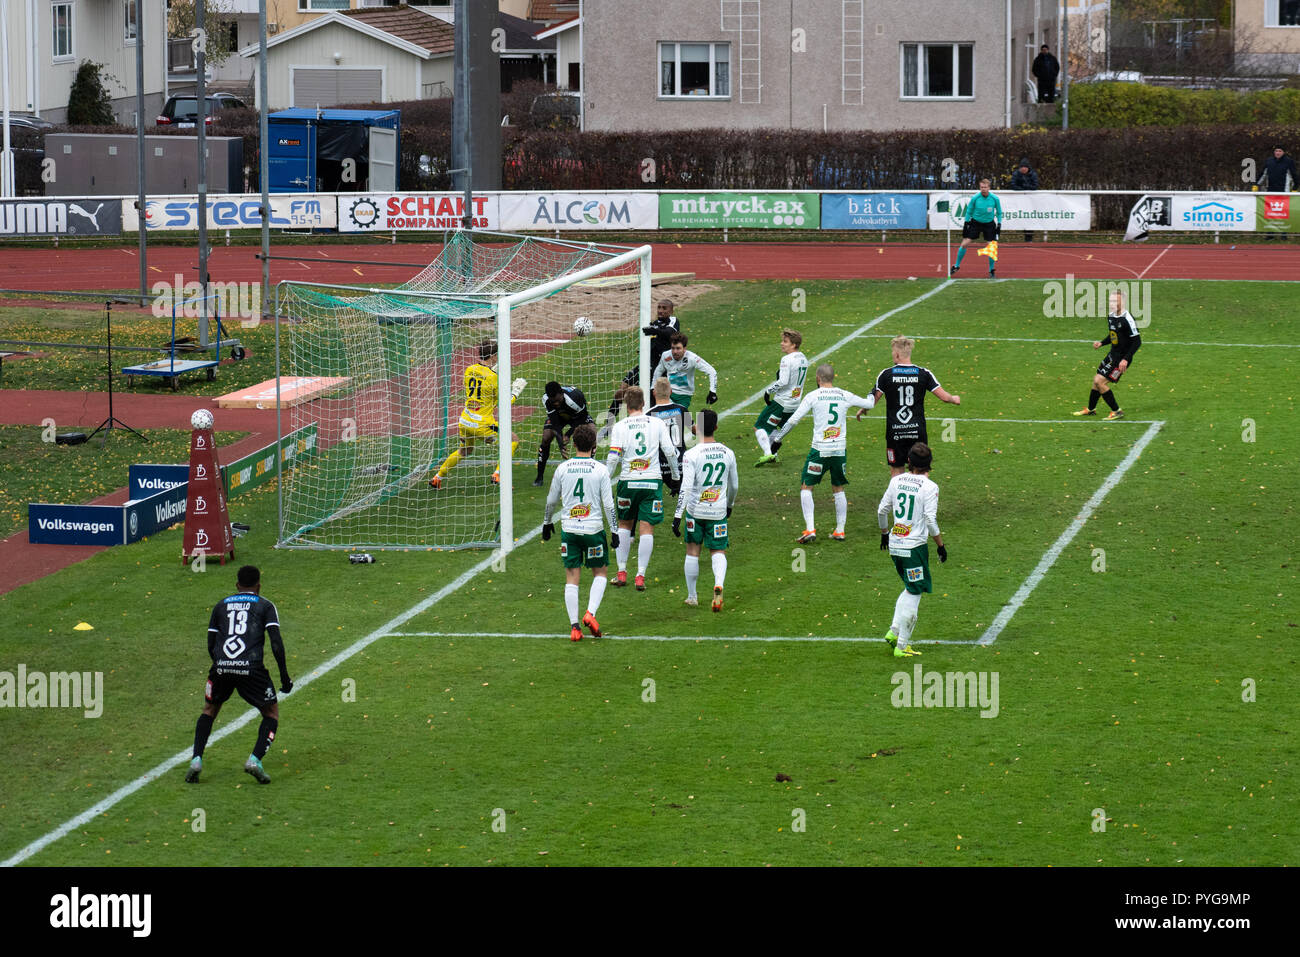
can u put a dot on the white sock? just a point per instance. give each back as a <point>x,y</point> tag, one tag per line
<point>719,568</point>
<point>764,441</point>
<point>624,547</point>
<point>692,574</point>
<point>805,499</point>
<point>905,610</point>
<point>597,592</point>
<point>841,511</point>
<point>643,553</point>
<point>571,602</point>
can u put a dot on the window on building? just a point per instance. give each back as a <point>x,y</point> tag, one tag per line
<point>695,69</point>
<point>61,46</point>
<point>944,71</point>
<point>130,11</point>
<point>319,5</point>
<point>1282,13</point>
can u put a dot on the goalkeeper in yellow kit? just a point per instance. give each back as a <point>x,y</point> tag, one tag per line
<point>478,417</point>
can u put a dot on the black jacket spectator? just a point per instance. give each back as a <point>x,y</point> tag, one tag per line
<point>1046,69</point>
<point>1025,178</point>
<point>1276,170</point>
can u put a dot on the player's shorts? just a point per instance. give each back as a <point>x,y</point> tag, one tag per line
<point>913,566</point>
<point>562,428</point>
<point>255,687</point>
<point>816,465</point>
<point>682,399</point>
<point>640,500</point>
<point>896,450</point>
<point>973,230</point>
<point>476,425</point>
<point>1109,368</point>
<point>709,532</point>
<point>578,550</point>
<point>772,417</point>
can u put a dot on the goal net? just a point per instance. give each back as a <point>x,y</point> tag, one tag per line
<point>389,367</point>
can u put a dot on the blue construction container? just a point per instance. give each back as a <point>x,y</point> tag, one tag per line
<point>333,151</point>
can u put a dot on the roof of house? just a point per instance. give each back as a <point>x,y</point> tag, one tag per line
<point>409,24</point>
<point>550,11</point>
<point>521,34</point>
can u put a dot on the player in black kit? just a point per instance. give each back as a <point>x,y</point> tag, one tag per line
<point>904,386</point>
<point>1124,339</point>
<point>566,409</point>
<point>236,632</point>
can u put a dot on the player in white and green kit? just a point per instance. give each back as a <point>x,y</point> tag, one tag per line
<point>709,486</point>
<point>782,396</point>
<point>679,365</point>
<point>638,441</point>
<point>909,516</point>
<point>580,488</point>
<point>830,408</point>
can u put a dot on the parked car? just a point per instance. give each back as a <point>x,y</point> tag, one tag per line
<point>182,110</point>
<point>27,138</point>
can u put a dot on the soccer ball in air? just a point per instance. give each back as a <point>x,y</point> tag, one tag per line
<point>583,326</point>
<point>201,419</point>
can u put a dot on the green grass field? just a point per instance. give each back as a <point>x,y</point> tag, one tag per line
<point>1122,677</point>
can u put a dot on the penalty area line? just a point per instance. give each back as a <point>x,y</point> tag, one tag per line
<point>555,635</point>
<point>1052,554</point>
<point>183,757</point>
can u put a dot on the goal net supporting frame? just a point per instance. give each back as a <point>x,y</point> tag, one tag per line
<point>504,308</point>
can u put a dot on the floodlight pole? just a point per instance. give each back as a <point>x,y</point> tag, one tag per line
<point>139,145</point>
<point>201,121</point>
<point>263,161</point>
<point>461,144</point>
<point>1065,64</point>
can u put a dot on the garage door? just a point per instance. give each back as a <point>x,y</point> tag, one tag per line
<point>331,87</point>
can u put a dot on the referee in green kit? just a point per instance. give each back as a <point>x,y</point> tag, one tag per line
<point>983,219</point>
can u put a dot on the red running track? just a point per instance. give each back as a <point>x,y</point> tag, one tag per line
<point>118,268</point>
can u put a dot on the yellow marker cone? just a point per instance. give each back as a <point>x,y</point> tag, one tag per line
<point>83,626</point>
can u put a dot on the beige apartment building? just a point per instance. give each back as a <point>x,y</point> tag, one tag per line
<point>811,64</point>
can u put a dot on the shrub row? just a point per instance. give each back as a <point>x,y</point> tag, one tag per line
<point>1118,105</point>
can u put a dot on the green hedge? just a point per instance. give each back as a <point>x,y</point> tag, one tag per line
<point>1117,105</point>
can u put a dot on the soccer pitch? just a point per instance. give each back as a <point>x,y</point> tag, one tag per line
<point>1121,593</point>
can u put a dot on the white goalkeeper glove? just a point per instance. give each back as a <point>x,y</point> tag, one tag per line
<point>517,388</point>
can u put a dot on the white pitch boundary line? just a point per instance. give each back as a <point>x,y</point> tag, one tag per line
<point>1154,261</point>
<point>741,406</point>
<point>183,757</point>
<point>1157,342</point>
<point>1052,554</point>
<point>555,635</point>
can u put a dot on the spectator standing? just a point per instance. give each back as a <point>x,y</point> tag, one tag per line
<point>1046,69</point>
<point>1279,174</point>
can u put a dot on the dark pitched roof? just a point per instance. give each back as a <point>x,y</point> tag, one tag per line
<point>552,11</point>
<point>409,24</point>
<point>519,34</point>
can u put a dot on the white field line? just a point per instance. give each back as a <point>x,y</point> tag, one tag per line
<point>1156,342</point>
<point>1154,261</point>
<point>183,757</point>
<point>556,636</point>
<point>1052,554</point>
<point>741,406</point>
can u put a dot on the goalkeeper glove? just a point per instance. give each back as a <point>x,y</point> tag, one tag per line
<point>517,388</point>
<point>285,684</point>
<point>547,531</point>
<point>613,539</point>
<point>943,554</point>
<point>677,526</point>
<point>713,397</point>
<point>767,398</point>
<point>649,330</point>
<point>884,541</point>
